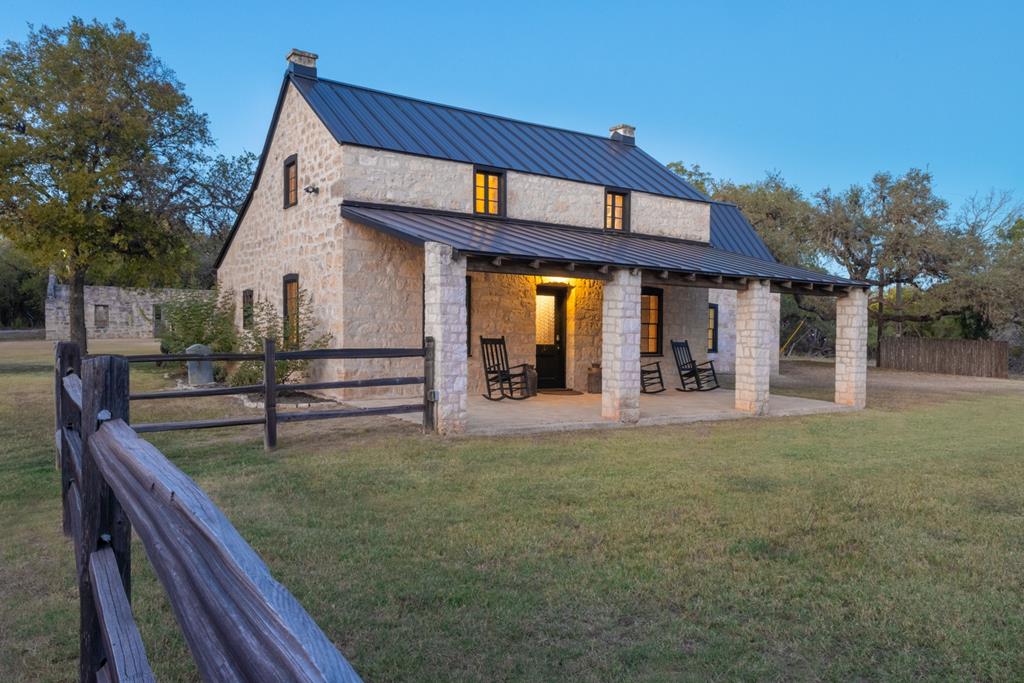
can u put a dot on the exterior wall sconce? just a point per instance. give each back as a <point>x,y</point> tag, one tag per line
<point>311,189</point>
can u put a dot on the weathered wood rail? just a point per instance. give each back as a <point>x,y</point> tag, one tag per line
<point>240,624</point>
<point>974,357</point>
<point>270,388</point>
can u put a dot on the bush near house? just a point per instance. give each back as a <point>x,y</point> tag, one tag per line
<point>192,320</point>
<point>301,332</point>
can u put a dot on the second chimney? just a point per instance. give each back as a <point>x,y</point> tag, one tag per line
<point>624,133</point>
<point>302,63</point>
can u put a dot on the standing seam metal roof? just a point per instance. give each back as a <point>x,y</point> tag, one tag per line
<point>731,231</point>
<point>371,118</point>
<point>528,240</point>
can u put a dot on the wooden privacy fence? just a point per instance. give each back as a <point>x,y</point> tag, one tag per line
<point>240,624</point>
<point>977,358</point>
<point>270,388</point>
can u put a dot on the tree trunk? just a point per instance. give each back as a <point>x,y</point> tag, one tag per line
<point>880,322</point>
<point>76,314</point>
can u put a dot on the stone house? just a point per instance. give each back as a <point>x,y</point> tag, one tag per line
<point>111,312</point>
<point>403,219</point>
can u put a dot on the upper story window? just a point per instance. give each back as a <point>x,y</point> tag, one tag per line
<point>291,181</point>
<point>616,210</point>
<point>489,192</point>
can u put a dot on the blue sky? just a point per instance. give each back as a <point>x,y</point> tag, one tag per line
<point>827,93</point>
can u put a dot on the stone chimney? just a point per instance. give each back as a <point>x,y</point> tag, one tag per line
<point>302,63</point>
<point>623,133</point>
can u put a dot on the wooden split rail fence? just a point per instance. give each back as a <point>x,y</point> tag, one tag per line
<point>240,624</point>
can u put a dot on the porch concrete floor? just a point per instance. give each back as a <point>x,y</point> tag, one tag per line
<point>556,413</point>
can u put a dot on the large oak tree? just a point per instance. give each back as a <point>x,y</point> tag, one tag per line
<point>102,157</point>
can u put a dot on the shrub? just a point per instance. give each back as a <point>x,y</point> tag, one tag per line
<point>191,319</point>
<point>267,324</point>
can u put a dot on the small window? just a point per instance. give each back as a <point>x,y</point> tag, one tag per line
<point>101,316</point>
<point>650,321</point>
<point>291,310</point>
<point>469,316</point>
<point>291,181</point>
<point>712,328</point>
<point>247,309</point>
<point>158,320</point>
<point>616,210</point>
<point>489,193</point>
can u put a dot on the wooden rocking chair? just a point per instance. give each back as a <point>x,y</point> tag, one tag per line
<point>502,381</point>
<point>650,378</point>
<point>701,375</point>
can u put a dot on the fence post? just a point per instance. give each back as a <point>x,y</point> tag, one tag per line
<point>428,384</point>
<point>68,359</point>
<point>269,396</point>
<point>104,397</point>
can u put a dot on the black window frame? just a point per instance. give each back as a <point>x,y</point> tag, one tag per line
<point>469,316</point>
<point>248,309</point>
<point>488,170</point>
<point>289,163</point>
<point>713,330</point>
<point>618,192</point>
<point>285,312</point>
<point>659,328</point>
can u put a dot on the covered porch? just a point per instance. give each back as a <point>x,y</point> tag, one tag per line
<point>621,265</point>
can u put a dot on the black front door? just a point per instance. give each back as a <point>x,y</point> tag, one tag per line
<point>550,323</point>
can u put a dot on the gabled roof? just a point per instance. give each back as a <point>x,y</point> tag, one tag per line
<point>731,231</point>
<point>527,240</point>
<point>371,118</point>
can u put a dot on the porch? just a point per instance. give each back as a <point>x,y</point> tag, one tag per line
<point>602,316</point>
<point>567,412</point>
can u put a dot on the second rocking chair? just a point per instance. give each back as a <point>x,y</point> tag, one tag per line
<point>693,376</point>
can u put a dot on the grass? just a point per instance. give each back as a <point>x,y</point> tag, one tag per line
<point>880,545</point>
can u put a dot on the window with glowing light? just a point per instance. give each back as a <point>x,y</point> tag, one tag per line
<point>650,321</point>
<point>489,193</point>
<point>712,328</point>
<point>616,210</point>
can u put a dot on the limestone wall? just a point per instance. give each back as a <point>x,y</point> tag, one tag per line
<point>130,312</point>
<point>725,358</point>
<point>272,241</point>
<point>669,217</point>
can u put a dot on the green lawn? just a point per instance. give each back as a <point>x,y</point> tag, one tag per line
<point>880,545</point>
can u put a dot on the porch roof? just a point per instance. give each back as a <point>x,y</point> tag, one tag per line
<point>532,241</point>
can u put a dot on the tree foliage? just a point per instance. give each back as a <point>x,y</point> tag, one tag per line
<point>22,286</point>
<point>199,319</point>
<point>104,163</point>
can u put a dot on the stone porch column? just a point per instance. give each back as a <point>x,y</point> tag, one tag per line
<point>852,348</point>
<point>620,353</point>
<point>444,319</point>
<point>753,347</point>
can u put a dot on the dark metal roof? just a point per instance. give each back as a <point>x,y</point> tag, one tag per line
<point>731,231</point>
<point>371,118</point>
<point>473,235</point>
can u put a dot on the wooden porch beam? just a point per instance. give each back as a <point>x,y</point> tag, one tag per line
<point>546,268</point>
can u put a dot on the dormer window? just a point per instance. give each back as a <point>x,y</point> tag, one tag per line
<point>489,192</point>
<point>616,210</point>
<point>291,181</point>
